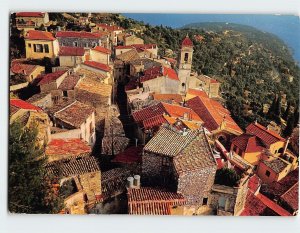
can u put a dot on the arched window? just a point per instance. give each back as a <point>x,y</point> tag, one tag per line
<point>186,57</point>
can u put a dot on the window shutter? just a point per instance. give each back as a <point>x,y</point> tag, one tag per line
<point>34,47</point>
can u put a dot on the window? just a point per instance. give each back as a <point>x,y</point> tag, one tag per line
<point>240,153</point>
<point>29,45</point>
<point>38,48</point>
<point>205,200</point>
<point>165,161</point>
<point>75,43</point>
<point>268,173</point>
<point>46,48</point>
<point>65,93</point>
<point>87,45</point>
<point>186,57</point>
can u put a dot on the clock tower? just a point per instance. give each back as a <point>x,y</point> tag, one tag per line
<point>185,64</point>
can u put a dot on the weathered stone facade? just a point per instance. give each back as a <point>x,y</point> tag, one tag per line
<point>79,42</point>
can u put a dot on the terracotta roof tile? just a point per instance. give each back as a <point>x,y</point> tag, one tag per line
<point>248,143</point>
<point>102,49</point>
<point>81,34</point>
<point>39,35</point>
<point>168,97</point>
<point>148,112</point>
<point>155,121</point>
<point>51,77</point>
<point>132,154</point>
<point>187,42</point>
<point>136,46</point>
<point>71,51</point>
<point>128,56</point>
<point>213,113</point>
<point>75,114</point>
<point>19,66</point>
<point>168,142</point>
<point>150,201</point>
<point>62,148</point>
<point>94,87</point>
<point>267,136</point>
<point>159,71</point>
<point>197,92</point>
<point>272,205</point>
<point>196,155</point>
<point>97,65</point>
<point>69,82</point>
<point>21,104</point>
<point>30,14</point>
<point>291,197</point>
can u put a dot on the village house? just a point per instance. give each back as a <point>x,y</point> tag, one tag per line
<point>113,31</point>
<point>152,49</point>
<point>139,65</point>
<point>79,119</point>
<point>100,68</point>
<point>160,80</point>
<point>58,149</point>
<point>71,56</point>
<point>183,162</point>
<point>23,67</point>
<point>31,20</point>
<point>153,201</point>
<point>149,119</point>
<point>31,116</point>
<point>207,84</point>
<point>85,175</point>
<point>132,39</point>
<point>217,119</point>
<point>67,86</point>
<point>100,54</point>
<point>79,39</point>
<point>40,44</point>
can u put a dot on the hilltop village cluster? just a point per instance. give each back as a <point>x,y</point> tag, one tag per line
<point>115,118</point>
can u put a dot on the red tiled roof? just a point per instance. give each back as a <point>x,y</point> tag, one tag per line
<point>18,66</point>
<point>97,65</point>
<point>102,50</point>
<point>81,34</point>
<point>150,201</point>
<point>30,14</point>
<point>213,113</point>
<point>71,146</point>
<point>154,121</point>
<point>213,81</point>
<point>48,78</point>
<point>267,136</point>
<point>148,112</point>
<point>23,105</point>
<point>197,92</point>
<point>39,35</point>
<point>132,154</point>
<point>272,205</point>
<point>110,27</point>
<point>171,60</point>
<point>176,97</point>
<point>248,143</point>
<point>291,197</point>
<point>187,42</point>
<point>254,183</point>
<point>69,82</point>
<point>137,46</point>
<point>71,51</point>
<point>159,71</point>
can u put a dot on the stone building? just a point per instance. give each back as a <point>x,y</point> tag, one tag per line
<point>132,39</point>
<point>113,31</point>
<point>100,54</point>
<point>71,56</point>
<point>79,39</point>
<point>31,20</point>
<point>100,68</point>
<point>50,82</point>
<point>23,67</point>
<point>207,84</point>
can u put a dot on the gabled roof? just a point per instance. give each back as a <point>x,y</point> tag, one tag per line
<point>39,35</point>
<point>94,87</point>
<point>20,66</point>
<point>155,121</point>
<point>248,143</point>
<point>148,112</point>
<point>97,65</point>
<point>69,82</point>
<point>102,50</point>
<point>21,104</point>
<point>71,51</point>
<point>168,142</point>
<point>75,114</point>
<point>159,71</point>
<point>110,27</point>
<point>81,34</point>
<point>196,155</point>
<point>62,148</point>
<point>197,92</point>
<point>30,14</point>
<point>150,201</point>
<point>213,114</point>
<point>49,78</point>
<point>187,42</point>
<point>267,136</point>
<point>128,56</point>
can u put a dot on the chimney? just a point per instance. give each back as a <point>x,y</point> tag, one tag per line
<point>286,145</point>
<point>130,182</point>
<point>137,181</point>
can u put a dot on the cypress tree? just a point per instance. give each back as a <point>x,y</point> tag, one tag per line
<point>277,110</point>
<point>287,111</point>
<point>272,107</point>
<point>290,126</point>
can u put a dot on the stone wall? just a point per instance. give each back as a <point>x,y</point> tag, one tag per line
<point>81,42</point>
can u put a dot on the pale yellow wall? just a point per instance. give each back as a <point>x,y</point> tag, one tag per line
<point>99,57</point>
<point>276,146</point>
<point>107,80</point>
<point>53,49</point>
<point>70,61</point>
<point>262,168</point>
<point>252,158</point>
<point>36,72</point>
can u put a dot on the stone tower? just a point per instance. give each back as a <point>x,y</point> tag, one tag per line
<point>185,64</point>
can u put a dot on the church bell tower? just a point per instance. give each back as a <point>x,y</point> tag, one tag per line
<point>185,64</point>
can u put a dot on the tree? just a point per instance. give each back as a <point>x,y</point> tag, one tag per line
<point>290,126</point>
<point>272,107</point>
<point>287,111</point>
<point>226,176</point>
<point>29,188</point>
<point>277,110</point>
<point>296,115</point>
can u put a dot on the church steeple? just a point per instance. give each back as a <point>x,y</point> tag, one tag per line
<point>185,63</point>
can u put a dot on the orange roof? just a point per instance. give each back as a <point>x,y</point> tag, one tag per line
<point>102,50</point>
<point>272,205</point>
<point>176,97</point>
<point>213,113</point>
<point>23,105</point>
<point>30,14</point>
<point>97,65</point>
<point>197,92</point>
<point>39,35</point>
<point>71,146</point>
<point>248,143</point>
<point>159,71</point>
